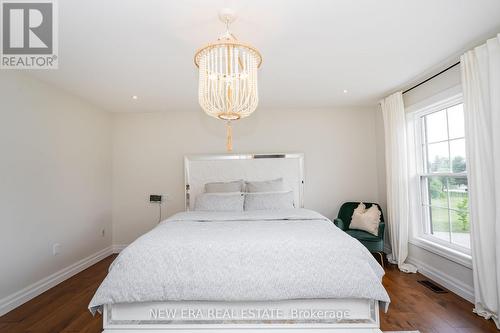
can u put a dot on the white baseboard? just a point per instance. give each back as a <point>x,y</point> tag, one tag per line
<point>458,287</point>
<point>117,248</point>
<point>22,296</point>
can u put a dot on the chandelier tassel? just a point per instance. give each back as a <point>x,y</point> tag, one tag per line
<point>229,135</point>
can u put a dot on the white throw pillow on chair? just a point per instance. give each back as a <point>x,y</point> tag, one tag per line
<point>366,219</point>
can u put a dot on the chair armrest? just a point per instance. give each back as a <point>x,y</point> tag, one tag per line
<point>381,229</point>
<point>339,223</point>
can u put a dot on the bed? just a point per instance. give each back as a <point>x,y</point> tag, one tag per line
<point>287,270</point>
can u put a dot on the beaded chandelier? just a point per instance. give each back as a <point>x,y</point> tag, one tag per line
<point>228,77</point>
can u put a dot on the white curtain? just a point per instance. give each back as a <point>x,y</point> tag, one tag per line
<point>481,88</point>
<point>396,158</point>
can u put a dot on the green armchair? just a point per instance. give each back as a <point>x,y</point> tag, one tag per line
<point>374,244</point>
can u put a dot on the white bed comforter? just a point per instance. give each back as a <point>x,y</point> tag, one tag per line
<point>254,256</point>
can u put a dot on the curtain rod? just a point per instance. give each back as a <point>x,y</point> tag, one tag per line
<point>419,84</point>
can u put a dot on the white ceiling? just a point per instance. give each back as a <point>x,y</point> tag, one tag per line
<point>313,50</point>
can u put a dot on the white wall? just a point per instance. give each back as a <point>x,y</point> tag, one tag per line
<point>452,275</point>
<point>148,150</point>
<point>381,172</point>
<point>55,180</point>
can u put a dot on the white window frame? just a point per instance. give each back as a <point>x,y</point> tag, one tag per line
<point>419,233</point>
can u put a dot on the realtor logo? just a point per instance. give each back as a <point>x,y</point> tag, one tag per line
<point>29,34</point>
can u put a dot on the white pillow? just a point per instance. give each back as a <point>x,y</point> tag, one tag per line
<point>274,185</point>
<point>221,202</point>
<point>224,187</point>
<point>366,219</point>
<point>269,200</point>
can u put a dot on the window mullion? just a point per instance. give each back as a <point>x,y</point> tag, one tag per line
<point>449,211</point>
<point>428,209</point>
<point>426,147</point>
<point>448,141</point>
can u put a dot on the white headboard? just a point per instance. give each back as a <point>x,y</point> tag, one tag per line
<point>202,169</point>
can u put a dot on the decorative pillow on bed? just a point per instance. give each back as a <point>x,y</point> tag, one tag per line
<point>269,200</point>
<point>225,187</point>
<point>366,219</point>
<point>274,185</point>
<point>221,202</point>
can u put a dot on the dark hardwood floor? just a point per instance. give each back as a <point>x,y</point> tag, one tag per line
<point>413,307</point>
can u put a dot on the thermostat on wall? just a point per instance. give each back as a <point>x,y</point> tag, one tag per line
<point>155,198</point>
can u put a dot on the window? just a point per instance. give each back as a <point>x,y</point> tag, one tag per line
<point>443,176</point>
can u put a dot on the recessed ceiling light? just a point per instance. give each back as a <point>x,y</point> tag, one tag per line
<point>345,91</point>
<point>135,97</point>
